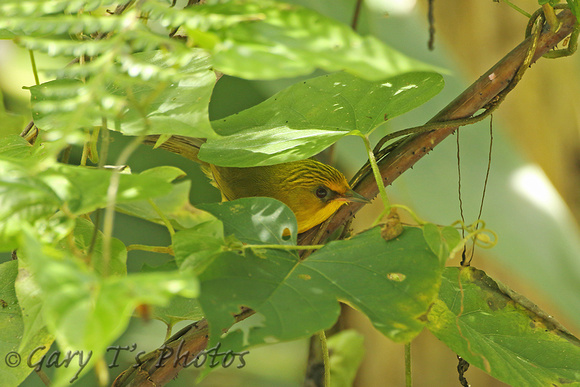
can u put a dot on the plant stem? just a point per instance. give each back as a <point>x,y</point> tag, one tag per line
<point>517,8</point>
<point>551,17</point>
<point>416,218</point>
<point>105,141</point>
<point>377,174</point>
<point>111,200</point>
<point>325,357</point>
<point>280,247</point>
<point>153,249</point>
<point>93,152</point>
<point>408,377</point>
<point>166,221</point>
<point>85,154</point>
<point>43,377</point>
<point>168,332</point>
<point>34,69</point>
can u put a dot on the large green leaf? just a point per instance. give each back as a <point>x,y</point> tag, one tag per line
<point>12,124</point>
<point>307,117</point>
<point>146,93</point>
<point>243,217</point>
<point>392,282</point>
<point>31,302</point>
<point>346,350</point>
<point>85,189</point>
<point>198,246</point>
<point>502,333</point>
<point>175,206</point>
<point>16,147</point>
<point>266,39</point>
<point>177,106</point>
<point>28,197</point>
<point>12,328</point>
<point>78,303</point>
<point>23,199</point>
<point>91,244</point>
<point>179,308</point>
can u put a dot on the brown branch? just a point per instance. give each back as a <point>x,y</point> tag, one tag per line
<point>475,97</point>
<point>162,365</point>
<point>401,158</point>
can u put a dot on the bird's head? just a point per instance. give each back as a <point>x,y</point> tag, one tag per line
<point>318,190</point>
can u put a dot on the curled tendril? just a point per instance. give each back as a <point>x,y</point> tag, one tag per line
<point>572,41</point>
<point>476,231</point>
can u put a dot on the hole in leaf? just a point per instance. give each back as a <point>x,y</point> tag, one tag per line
<point>396,277</point>
<point>286,234</point>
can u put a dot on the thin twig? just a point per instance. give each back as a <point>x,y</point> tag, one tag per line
<point>408,369</point>
<point>112,199</point>
<point>356,14</point>
<point>487,171</point>
<point>431,20</point>
<point>325,357</point>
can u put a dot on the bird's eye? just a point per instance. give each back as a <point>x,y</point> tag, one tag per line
<point>321,192</point>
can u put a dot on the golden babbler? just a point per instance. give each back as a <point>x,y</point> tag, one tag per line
<point>312,190</point>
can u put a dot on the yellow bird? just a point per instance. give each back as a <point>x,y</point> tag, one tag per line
<point>311,189</point>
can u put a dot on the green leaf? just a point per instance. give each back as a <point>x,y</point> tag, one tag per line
<point>551,2</point>
<point>178,107</point>
<point>165,172</point>
<point>27,197</point>
<point>85,189</point>
<point>12,327</point>
<point>31,301</point>
<point>256,220</point>
<point>267,40</point>
<point>78,304</point>
<point>574,7</point>
<point>441,241</point>
<point>393,282</point>
<point>16,147</point>
<point>501,332</point>
<point>175,205</point>
<point>62,105</point>
<point>41,7</point>
<point>240,219</point>
<point>196,247</point>
<point>346,349</point>
<point>309,116</point>
<point>12,124</point>
<point>83,237</point>
<point>152,93</point>
<point>23,199</point>
<point>179,309</point>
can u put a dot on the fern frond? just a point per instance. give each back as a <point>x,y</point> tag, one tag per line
<point>64,24</point>
<point>37,8</point>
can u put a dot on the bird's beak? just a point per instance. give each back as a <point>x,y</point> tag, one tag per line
<point>351,196</point>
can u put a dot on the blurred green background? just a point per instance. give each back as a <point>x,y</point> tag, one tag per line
<point>532,202</point>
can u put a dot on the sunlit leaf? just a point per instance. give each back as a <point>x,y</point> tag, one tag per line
<point>19,336</point>
<point>309,116</point>
<point>392,282</point>
<point>346,350</point>
<point>501,332</point>
<point>267,39</point>
<point>78,303</point>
